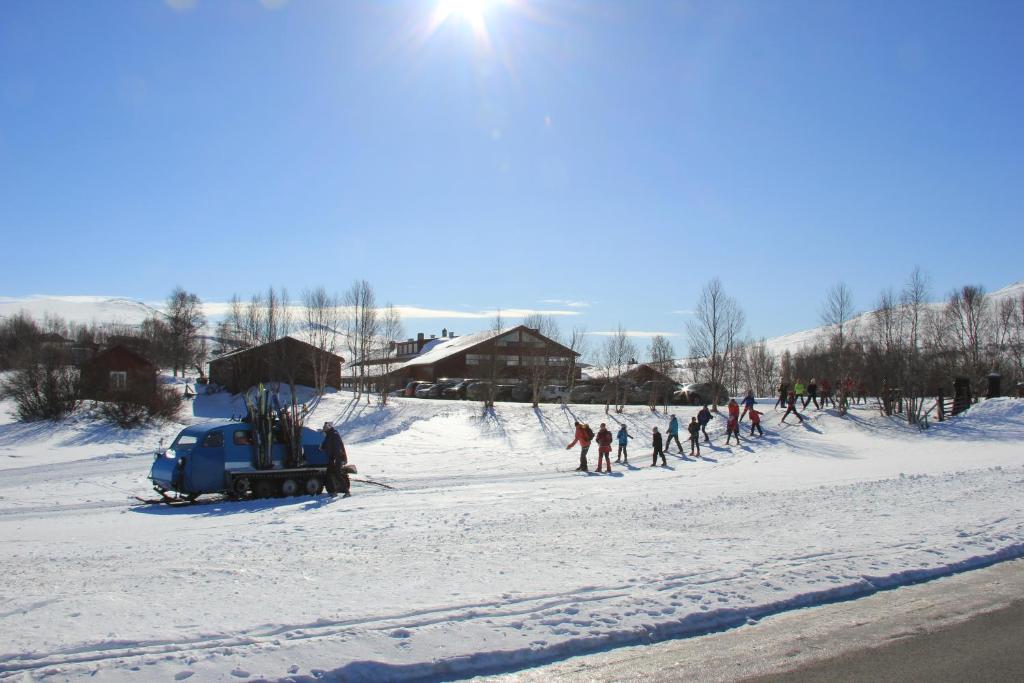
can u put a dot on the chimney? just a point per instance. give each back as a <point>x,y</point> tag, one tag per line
<point>433,336</point>
<point>419,336</point>
<point>444,333</point>
<point>451,335</point>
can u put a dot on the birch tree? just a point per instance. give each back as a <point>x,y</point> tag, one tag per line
<point>714,333</point>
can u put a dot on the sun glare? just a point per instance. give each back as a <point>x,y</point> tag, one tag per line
<point>470,12</point>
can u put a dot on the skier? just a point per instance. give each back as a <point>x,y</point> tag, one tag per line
<point>812,394</point>
<point>783,389</point>
<point>732,427</point>
<point>673,433</point>
<point>748,403</point>
<point>604,447</point>
<point>583,436</point>
<point>624,438</point>
<point>734,410</point>
<point>799,389</point>
<point>337,458</point>
<point>656,438</point>
<point>703,418</point>
<point>791,408</point>
<point>755,422</point>
<point>826,393</point>
<point>694,429</point>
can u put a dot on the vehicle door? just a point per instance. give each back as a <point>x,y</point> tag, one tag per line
<point>206,464</point>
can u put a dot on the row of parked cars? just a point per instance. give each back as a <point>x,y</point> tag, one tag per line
<point>477,390</point>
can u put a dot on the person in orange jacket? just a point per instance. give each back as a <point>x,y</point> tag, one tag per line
<point>583,436</point>
<point>755,421</point>
<point>604,447</point>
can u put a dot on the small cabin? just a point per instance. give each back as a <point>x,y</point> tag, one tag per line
<point>118,372</point>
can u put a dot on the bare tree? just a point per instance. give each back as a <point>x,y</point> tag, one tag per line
<point>361,328</point>
<point>1011,323</point>
<point>967,316</point>
<point>253,326</point>
<point>538,370</point>
<point>391,330</point>
<point>835,314</point>
<point>662,355</point>
<point>323,321</point>
<point>713,333</point>
<point>760,368</point>
<point>186,319</point>
<point>577,342</point>
<point>616,354</point>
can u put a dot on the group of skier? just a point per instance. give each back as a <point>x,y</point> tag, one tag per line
<point>697,426</point>
<point>836,394</point>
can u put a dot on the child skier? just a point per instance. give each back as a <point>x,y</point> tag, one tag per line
<point>732,428</point>
<point>703,418</point>
<point>623,437</point>
<point>656,438</point>
<point>694,428</point>
<point>755,422</point>
<point>604,447</point>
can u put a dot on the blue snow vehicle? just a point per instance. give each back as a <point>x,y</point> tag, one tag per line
<point>228,457</point>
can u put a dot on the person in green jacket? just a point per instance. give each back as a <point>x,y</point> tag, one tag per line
<point>799,389</point>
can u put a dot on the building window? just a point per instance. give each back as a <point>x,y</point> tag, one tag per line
<point>118,379</point>
<point>242,437</point>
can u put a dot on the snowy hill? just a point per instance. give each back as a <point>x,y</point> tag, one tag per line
<point>80,309</point>
<point>490,553</point>
<point>796,341</point>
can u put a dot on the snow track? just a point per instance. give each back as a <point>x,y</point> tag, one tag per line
<point>487,557</point>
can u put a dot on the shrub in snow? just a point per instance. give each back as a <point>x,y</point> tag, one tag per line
<point>44,386</point>
<point>136,408</point>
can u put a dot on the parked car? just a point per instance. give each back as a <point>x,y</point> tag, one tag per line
<point>521,392</point>
<point>554,392</point>
<point>477,391</point>
<point>503,392</point>
<point>457,390</point>
<point>411,387</point>
<point>700,393</point>
<point>658,389</point>
<point>585,393</point>
<point>423,391</point>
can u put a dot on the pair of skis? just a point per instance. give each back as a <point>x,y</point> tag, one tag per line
<point>262,423</point>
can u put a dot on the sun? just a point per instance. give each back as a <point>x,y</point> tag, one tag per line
<point>471,12</point>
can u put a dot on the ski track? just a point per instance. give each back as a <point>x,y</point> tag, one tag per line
<point>494,556</point>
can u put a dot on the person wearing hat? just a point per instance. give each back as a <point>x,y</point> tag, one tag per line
<point>604,447</point>
<point>337,458</point>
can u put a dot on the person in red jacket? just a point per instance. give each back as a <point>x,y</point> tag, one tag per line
<point>755,421</point>
<point>583,436</point>
<point>604,447</point>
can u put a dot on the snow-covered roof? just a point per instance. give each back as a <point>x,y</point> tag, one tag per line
<point>449,347</point>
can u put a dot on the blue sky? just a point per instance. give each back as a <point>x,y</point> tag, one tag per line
<point>612,154</point>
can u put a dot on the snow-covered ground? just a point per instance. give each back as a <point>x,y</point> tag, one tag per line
<point>491,553</point>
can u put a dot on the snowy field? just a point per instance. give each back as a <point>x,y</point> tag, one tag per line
<point>491,553</point>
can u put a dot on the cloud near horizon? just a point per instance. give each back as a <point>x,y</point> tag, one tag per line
<point>217,309</point>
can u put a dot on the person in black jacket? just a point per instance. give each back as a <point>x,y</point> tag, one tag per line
<point>337,458</point>
<point>694,429</point>
<point>656,438</point>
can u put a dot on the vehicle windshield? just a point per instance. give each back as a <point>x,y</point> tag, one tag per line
<point>183,444</point>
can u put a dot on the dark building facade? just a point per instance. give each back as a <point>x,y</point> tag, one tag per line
<point>285,360</point>
<point>118,372</point>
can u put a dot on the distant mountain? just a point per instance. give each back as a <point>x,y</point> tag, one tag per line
<point>80,309</point>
